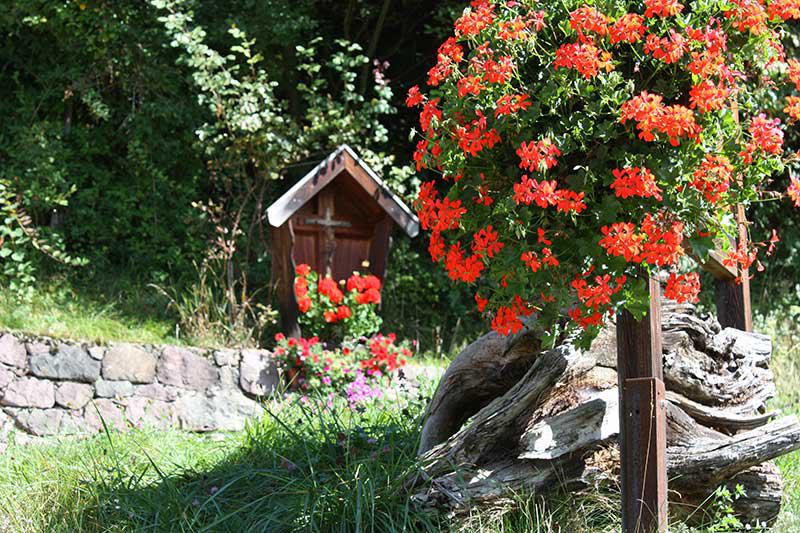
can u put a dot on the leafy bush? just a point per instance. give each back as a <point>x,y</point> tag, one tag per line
<point>358,368</point>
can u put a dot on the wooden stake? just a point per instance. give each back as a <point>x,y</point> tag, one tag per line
<point>733,296</point>
<point>643,434</point>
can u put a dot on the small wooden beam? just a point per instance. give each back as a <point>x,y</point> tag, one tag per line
<point>643,434</point>
<point>716,266</point>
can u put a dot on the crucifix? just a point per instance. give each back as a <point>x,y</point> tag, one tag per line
<point>328,225</point>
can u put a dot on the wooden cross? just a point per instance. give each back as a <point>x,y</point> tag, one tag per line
<point>329,226</point>
<point>643,435</point>
<point>328,222</point>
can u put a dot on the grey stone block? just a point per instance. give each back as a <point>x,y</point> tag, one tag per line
<point>258,372</point>
<point>182,367</point>
<point>128,362</point>
<point>69,362</point>
<point>73,395</point>
<point>223,410</point>
<point>12,351</point>
<point>29,392</point>
<point>113,389</point>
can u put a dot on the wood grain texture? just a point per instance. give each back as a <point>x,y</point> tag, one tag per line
<point>525,419</point>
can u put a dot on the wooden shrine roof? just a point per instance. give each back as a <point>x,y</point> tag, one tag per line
<point>344,159</point>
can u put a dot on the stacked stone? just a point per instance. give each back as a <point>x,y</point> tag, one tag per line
<point>50,386</point>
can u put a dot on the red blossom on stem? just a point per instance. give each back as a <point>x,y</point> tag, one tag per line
<point>682,287</point>
<point>629,28</point>
<point>635,181</point>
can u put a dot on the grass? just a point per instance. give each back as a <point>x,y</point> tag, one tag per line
<point>300,468</point>
<point>786,366</point>
<point>103,310</point>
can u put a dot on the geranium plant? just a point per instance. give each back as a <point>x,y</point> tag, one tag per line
<point>581,147</point>
<point>381,355</point>
<point>308,365</point>
<point>340,310</point>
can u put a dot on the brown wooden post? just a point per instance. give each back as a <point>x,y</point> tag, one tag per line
<point>283,269</point>
<point>642,435</point>
<point>733,296</point>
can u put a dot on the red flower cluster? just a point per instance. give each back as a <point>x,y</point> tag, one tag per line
<point>784,9</point>
<point>386,357</point>
<point>682,288</point>
<point>476,19</point>
<point>587,19</point>
<point>595,298</point>
<point>490,109</point>
<point>512,30</point>
<point>429,112</point>
<point>434,214</point>
<point>621,239</point>
<point>766,137</point>
<point>414,97</point>
<point>507,321</point>
<point>748,15</point>
<point>586,58</point>
<point>651,117</point>
<point>367,288</point>
<point>654,244</point>
<point>469,85</point>
<point>327,287</point>
<point>485,242</point>
<point>460,268</point>
<point>361,290</point>
<point>498,71</point>
<point>706,96</point>
<point>669,50</point>
<point>635,181</point>
<point>713,177</point>
<point>475,138</point>
<point>740,257</point>
<point>794,72</point>
<point>511,103</point>
<point>629,28</point>
<point>340,313</point>
<point>535,155</point>
<point>545,194</point>
<point>792,107</point>
<point>662,8</point>
<point>450,54</point>
<point>533,261</point>
<point>794,191</point>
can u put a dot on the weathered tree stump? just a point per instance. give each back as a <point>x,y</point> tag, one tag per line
<point>510,417</point>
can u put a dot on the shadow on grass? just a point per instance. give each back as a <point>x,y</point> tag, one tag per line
<point>304,468</point>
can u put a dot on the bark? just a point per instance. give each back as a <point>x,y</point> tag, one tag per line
<point>510,417</point>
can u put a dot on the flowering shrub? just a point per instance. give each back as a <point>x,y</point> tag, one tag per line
<point>356,368</point>
<point>581,147</point>
<point>308,365</point>
<point>332,313</point>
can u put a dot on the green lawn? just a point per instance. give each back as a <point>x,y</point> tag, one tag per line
<point>103,310</point>
<point>786,366</point>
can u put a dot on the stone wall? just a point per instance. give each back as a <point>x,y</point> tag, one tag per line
<point>50,386</point>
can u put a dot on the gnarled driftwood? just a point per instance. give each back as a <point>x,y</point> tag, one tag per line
<point>509,417</point>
